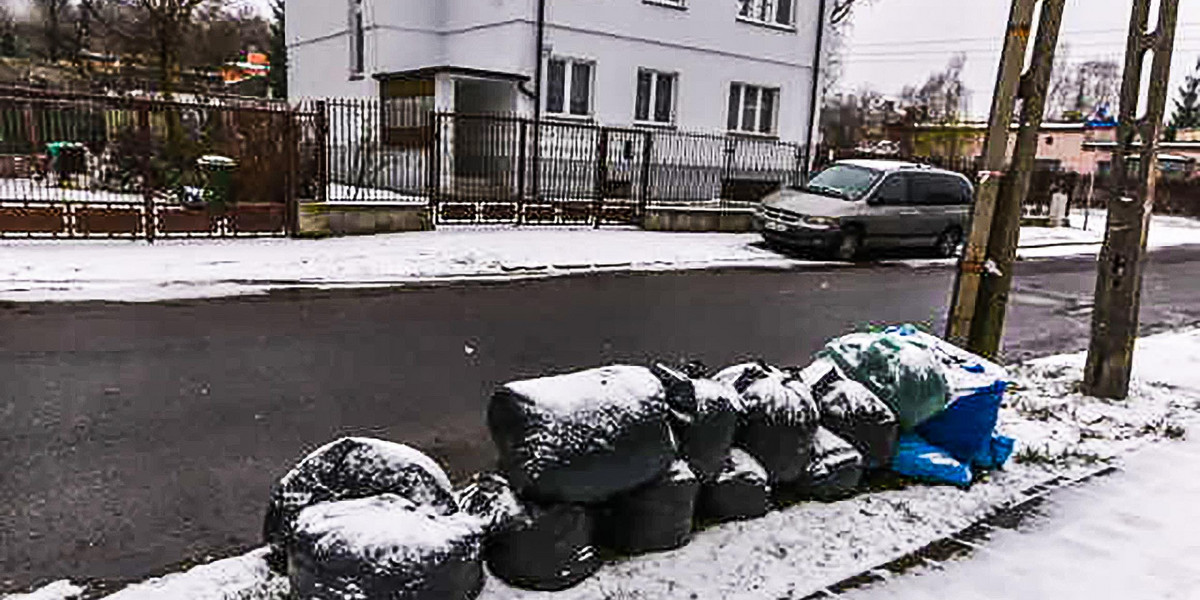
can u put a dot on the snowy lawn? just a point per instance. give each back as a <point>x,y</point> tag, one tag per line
<point>134,271</point>
<point>796,551</point>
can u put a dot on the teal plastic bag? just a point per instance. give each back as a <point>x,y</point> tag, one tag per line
<point>901,370</point>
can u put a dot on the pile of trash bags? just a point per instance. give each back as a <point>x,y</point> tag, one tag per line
<point>625,459</point>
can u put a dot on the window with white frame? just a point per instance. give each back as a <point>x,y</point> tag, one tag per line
<point>357,41</point>
<point>569,87</point>
<point>655,102</point>
<point>777,12</point>
<point>753,108</point>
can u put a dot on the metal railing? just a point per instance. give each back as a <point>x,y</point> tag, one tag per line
<point>69,161</point>
<point>505,168</point>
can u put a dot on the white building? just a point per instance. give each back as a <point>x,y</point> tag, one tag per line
<point>734,66</point>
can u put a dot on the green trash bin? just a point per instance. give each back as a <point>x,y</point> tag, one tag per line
<point>217,172</point>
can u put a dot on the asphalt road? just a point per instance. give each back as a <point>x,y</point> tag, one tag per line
<point>135,437</point>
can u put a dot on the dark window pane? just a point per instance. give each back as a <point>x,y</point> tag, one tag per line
<point>556,76</point>
<point>767,118</point>
<point>581,88</point>
<point>642,107</point>
<point>892,190</point>
<point>783,15</point>
<point>764,10</point>
<point>359,53</point>
<point>747,7</point>
<point>735,98</point>
<point>663,98</point>
<point>750,109</point>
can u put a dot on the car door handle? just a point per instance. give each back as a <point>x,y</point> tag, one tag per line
<point>909,213</point>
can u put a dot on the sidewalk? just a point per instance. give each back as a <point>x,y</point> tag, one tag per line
<point>134,271</point>
<point>1142,522</point>
<point>1135,534</point>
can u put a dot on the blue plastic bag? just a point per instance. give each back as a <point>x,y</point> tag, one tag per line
<point>965,427</point>
<point>997,452</point>
<point>923,461</point>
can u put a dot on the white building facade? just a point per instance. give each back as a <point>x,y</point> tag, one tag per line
<point>740,66</point>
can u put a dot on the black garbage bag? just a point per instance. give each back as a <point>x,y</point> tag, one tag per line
<point>546,547</point>
<point>490,500</point>
<point>582,437</point>
<point>741,491</point>
<point>348,468</point>
<point>854,413</point>
<point>777,420</point>
<point>656,516</point>
<point>741,376</point>
<point>704,416</point>
<point>835,469</point>
<point>384,548</point>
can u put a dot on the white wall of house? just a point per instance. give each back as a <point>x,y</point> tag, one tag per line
<point>705,43</point>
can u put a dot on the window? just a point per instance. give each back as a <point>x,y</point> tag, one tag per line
<point>357,43</point>
<point>568,87</point>
<point>407,113</point>
<point>775,12</point>
<point>893,190</point>
<point>848,182</point>
<point>752,108</point>
<point>655,97</point>
<point>938,190</point>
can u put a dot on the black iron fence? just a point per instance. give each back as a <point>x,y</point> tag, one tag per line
<point>77,165</point>
<point>499,168</point>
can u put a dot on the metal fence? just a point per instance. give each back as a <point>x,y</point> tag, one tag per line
<point>508,169</point>
<point>77,165</point>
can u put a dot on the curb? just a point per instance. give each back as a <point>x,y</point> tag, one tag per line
<point>963,541</point>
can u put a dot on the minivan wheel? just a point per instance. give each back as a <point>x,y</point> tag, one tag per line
<point>948,242</point>
<point>849,245</point>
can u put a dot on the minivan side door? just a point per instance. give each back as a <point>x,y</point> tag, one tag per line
<point>943,202</point>
<point>883,216</point>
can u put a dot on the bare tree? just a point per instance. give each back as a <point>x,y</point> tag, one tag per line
<point>940,99</point>
<point>56,20</point>
<point>153,27</point>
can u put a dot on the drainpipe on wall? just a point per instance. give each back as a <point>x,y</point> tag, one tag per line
<point>537,101</point>
<point>813,111</point>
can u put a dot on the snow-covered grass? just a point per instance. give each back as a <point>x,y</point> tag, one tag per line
<point>175,269</point>
<point>59,590</point>
<point>134,271</point>
<point>804,548</point>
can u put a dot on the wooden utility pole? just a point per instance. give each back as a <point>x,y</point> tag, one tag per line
<point>1120,268</point>
<point>977,308</point>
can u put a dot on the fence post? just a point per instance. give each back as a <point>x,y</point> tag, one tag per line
<point>147,185</point>
<point>647,154</point>
<point>731,144</point>
<point>524,136</point>
<point>601,176</point>
<point>323,142</point>
<point>436,159</point>
<point>291,152</point>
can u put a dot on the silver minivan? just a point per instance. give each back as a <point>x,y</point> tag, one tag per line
<point>857,204</point>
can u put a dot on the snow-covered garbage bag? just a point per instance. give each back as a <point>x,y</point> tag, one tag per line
<point>853,413</point>
<point>899,369</point>
<point>703,417</point>
<point>546,547</point>
<point>976,389</point>
<point>384,548</point>
<point>741,491</point>
<point>656,516</point>
<point>489,499</point>
<point>582,437</point>
<point>835,470</point>
<point>777,421</point>
<point>354,467</point>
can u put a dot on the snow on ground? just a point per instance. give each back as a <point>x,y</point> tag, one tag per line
<point>175,269</point>
<point>799,550</point>
<point>1086,233</point>
<point>134,271</point>
<point>59,590</point>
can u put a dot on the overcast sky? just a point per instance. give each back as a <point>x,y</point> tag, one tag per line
<point>894,43</point>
